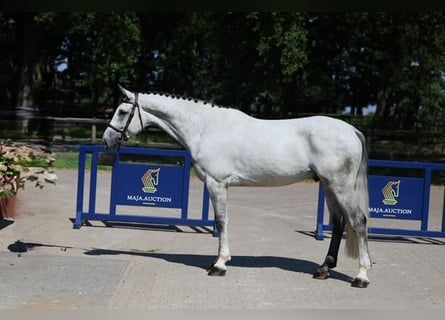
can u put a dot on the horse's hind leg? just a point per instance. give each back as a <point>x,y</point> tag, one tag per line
<point>338,226</point>
<point>357,235</point>
<point>358,240</point>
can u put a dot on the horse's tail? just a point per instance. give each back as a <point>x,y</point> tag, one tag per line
<point>361,188</point>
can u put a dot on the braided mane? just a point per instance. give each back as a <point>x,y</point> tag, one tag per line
<point>179,97</point>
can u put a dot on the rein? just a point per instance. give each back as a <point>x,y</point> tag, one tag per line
<point>123,130</point>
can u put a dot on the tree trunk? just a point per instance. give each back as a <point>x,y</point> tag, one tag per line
<point>352,113</point>
<point>382,103</point>
<point>27,49</point>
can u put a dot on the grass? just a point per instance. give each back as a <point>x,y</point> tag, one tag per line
<point>70,160</point>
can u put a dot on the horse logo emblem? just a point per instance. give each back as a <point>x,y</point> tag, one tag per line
<point>150,180</point>
<point>391,192</point>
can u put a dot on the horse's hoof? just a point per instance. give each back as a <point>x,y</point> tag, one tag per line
<point>321,275</point>
<point>209,268</point>
<point>359,283</point>
<point>215,271</point>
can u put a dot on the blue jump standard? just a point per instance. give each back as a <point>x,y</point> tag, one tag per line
<point>140,184</point>
<point>409,200</point>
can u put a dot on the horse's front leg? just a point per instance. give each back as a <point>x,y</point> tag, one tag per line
<point>218,193</point>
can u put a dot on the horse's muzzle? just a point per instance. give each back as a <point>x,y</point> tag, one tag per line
<point>113,144</point>
<point>107,147</point>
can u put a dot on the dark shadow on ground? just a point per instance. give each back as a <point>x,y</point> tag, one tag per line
<point>146,226</point>
<point>5,222</point>
<point>384,238</point>
<point>196,260</point>
<point>20,246</point>
<point>203,261</point>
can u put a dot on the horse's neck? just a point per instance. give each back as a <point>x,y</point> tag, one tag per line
<point>180,118</point>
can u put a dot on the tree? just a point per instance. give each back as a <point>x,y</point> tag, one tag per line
<point>24,57</point>
<point>281,46</point>
<point>240,59</point>
<point>101,49</point>
<point>272,64</point>
<point>392,60</point>
<point>7,25</point>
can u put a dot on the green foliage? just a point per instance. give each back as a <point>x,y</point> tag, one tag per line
<point>102,49</point>
<point>273,64</point>
<point>285,33</point>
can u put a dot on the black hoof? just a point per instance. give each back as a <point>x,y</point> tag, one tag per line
<point>359,283</point>
<point>209,268</point>
<point>321,275</point>
<point>214,271</point>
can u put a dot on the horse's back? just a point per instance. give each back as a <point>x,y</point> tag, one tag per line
<point>250,151</point>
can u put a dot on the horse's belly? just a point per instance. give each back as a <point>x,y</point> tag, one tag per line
<point>270,179</point>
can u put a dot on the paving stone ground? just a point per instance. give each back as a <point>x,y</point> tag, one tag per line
<point>273,251</point>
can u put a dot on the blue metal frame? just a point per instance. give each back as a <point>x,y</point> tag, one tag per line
<point>423,232</point>
<point>114,216</point>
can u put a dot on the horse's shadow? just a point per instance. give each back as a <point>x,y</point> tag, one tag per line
<point>199,261</point>
<point>203,261</point>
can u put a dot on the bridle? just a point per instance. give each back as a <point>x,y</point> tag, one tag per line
<point>123,131</point>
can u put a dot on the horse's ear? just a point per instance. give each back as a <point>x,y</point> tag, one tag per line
<point>127,93</point>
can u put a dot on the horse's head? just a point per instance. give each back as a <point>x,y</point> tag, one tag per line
<point>128,120</point>
<point>396,188</point>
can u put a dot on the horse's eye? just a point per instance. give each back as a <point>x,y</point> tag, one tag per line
<point>122,112</point>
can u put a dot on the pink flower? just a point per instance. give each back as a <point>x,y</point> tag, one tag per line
<point>8,186</point>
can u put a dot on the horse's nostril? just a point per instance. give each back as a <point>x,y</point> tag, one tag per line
<point>106,145</point>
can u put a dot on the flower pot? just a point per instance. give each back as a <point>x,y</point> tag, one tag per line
<point>7,207</point>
